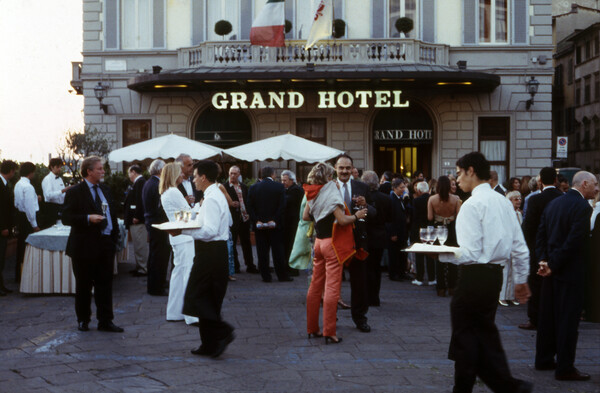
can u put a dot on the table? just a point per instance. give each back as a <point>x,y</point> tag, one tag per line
<point>46,267</point>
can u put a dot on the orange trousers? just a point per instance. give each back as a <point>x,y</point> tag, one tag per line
<point>327,277</point>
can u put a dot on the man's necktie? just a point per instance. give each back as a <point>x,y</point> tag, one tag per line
<point>347,196</point>
<point>97,199</point>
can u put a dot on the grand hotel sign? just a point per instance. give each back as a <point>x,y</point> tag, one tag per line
<point>295,100</point>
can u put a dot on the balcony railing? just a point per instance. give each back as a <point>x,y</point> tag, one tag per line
<point>374,51</point>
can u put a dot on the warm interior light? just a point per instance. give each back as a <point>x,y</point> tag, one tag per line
<point>264,80</point>
<point>399,80</point>
<point>308,80</point>
<point>454,83</point>
<point>221,81</point>
<point>169,86</point>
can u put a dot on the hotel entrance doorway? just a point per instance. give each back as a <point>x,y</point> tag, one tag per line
<point>403,141</point>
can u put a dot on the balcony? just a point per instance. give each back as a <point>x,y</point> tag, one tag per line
<point>365,51</point>
<point>76,82</point>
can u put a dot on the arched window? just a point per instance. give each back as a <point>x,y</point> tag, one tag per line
<point>223,128</point>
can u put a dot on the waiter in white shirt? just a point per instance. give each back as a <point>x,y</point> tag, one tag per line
<point>489,237</point>
<point>26,202</point>
<point>54,190</point>
<point>208,280</point>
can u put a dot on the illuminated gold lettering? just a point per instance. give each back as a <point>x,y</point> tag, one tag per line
<point>345,99</point>
<point>296,100</point>
<point>219,101</point>
<point>326,99</point>
<point>382,99</point>
<point>363,95</point>
<point>238,100</point>
<point>257,101</point>
<point>397,103</point>
<point>276,98</point>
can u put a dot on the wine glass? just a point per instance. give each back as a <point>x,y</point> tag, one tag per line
<point>432,234</point>
<point>424,235</point>
<point>442,234</point>
<point>177,215</point>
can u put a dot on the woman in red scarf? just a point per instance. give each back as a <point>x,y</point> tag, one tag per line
<point>334,246</point>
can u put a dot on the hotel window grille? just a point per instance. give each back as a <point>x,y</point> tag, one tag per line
<point>135,131</point>
<point>494,142</point>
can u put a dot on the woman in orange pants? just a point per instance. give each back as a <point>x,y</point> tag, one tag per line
<point>334,246</point>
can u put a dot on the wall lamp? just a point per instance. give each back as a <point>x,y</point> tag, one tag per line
<point>532,89</point>
<point>100,92</point>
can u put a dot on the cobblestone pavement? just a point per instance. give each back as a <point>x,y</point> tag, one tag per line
<point>42,351</point>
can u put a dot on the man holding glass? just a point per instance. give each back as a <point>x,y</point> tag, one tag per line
<point>488,235</point>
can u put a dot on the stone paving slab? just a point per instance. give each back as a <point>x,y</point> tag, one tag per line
<point>42,351</point>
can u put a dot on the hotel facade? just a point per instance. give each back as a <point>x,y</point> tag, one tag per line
<point>460,80</point>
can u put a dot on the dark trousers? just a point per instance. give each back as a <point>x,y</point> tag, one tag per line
<point>374,275</point>
<point>359,295</point>
<point>3,246</point>
<point>52,213</point>
<point>533,305</point>
<point>475,345</point>
<point>206,289</point>
<point>158,260</point>
<point>560,310</point>
<point>25,229</point>
<point>423,262</point>
<point>446,274</point>
<point>242,230</point>
<point>270,239</point>
<point>95,271</point>
<point>397,259</point>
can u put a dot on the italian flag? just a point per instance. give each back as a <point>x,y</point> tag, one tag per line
<point>267,28</point>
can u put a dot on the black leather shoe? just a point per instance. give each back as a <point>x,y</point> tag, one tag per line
<point>364,327</point>
<point>109,327</point>
<point>222,344</point>
<point>201,351</point>
<point>545,367</point>
<point>575,375</point>
<point>83,326</point>
<point>252,270</point>
<point>527,326</point>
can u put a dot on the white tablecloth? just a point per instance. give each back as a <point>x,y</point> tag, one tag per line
<point>50,271</point>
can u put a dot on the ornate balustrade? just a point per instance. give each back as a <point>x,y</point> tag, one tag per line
<point>366,51</point>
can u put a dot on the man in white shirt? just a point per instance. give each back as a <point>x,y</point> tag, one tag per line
<point>208,280</point>
<point>26,202</point>
<point>489,237</point>
<point>54,190</point>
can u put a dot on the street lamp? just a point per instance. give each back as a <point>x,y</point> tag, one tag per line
<point>532,89</point>
<point>100,92</point>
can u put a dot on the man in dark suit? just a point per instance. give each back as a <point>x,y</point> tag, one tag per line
<point>266,201</point>
<point>562,237</point>
<point>397,231</point>
<point>89,210</point>
<point>356,193</point>
<point>7,215</point>
<point>536,205</point>
<point>419,220</point>
<point>238,192</point>
<point>160,249</point>
<point>187,187</point>
<point>494,183</point>
<point>385,185</point>
<point>134,220</point>
<point>293,199</point>
<point>376,235</point>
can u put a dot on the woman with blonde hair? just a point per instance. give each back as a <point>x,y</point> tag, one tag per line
<point>507,293</point>
<point>334,245</point>
<point>172,201</point>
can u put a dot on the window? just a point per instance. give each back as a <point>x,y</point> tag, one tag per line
<point>493,143</point>
<point>314,130</point>
<point>587,89</point>
<point>597,86</point>
<point>398,9</point>
<point>578,54</point>
<point>135,131</point>
<point>596,45</point>
<point>597,133</point>
<point>137,24</point>
<point>588,50</point>
<point>586,134</point>
<point>578,92</point>
<point>558,76</point>
<point>493,21</point>
<point>570,72</point>
<point>290,12</point>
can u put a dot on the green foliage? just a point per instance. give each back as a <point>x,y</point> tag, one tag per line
<point>76,146</point>
<point>223,27</point>
<point>339,28</point>
<point>404,25</point>
<point>248,181</point>
<point>288,26</point>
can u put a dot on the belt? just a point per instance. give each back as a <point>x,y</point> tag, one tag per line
<point>489,266</point>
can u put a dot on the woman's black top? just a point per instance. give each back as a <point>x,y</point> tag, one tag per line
<point>324,227</point>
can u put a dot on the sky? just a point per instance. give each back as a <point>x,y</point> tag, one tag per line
<point>38,41</point>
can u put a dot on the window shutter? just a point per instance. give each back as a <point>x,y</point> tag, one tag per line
<point>198,12</point>
<point>159,24</point>
<point>521,15</point>
<point>469,22</point>
<point>111,24</point>
<point>428,21</point>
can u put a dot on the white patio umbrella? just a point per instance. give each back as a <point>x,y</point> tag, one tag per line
<point>286,147</point>
<point>168,146</point>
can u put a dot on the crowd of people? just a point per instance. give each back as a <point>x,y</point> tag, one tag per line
<point>530,240</point>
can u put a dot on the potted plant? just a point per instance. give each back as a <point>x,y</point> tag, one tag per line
<point>339,28</point>
<point>404,25</point>
<point>223,28</point>
<point>288,26</point>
